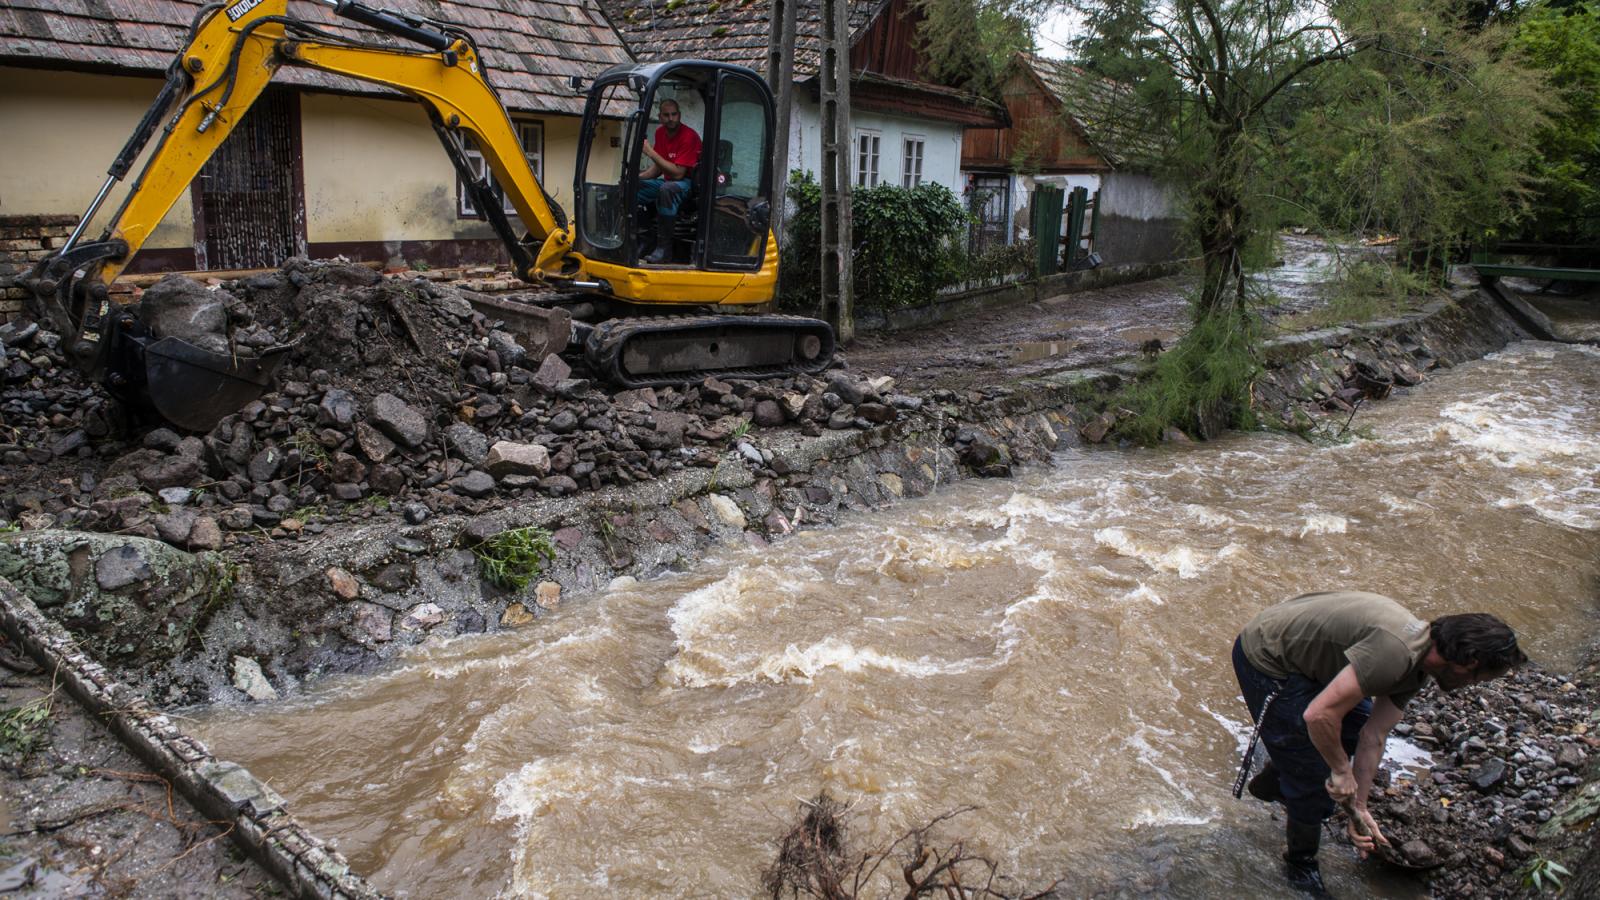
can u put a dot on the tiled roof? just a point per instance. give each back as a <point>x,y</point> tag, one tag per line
<point>530,46</point>
<point>1105,110</point>
<point>726,30</point>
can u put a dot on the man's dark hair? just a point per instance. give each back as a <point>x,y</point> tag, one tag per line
<point>1477,637</point>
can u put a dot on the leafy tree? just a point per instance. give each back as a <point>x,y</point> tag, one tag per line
<point>1391,107</point>
<point>1428,136</point>
<point>970,43</point>
<point>1563,40</point>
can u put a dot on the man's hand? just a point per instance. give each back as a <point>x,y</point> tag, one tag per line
<point>1341,786</point>
<point>1363,830</point>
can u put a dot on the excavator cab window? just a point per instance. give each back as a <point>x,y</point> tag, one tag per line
<point>724,219</point>
<point>738,171</point>
<point>603,215</point>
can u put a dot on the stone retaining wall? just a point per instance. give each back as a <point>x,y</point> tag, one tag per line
<point>25,240</point>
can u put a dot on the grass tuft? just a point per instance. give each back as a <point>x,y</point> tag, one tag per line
<point>512,559</point>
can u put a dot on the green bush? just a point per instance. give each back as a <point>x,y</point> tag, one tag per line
<point>907,241</point>
<point>512,559</point>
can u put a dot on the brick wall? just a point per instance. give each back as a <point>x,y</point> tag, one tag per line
<point>23,241</point>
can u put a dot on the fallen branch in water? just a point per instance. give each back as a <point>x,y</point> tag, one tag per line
<point>814,860</point>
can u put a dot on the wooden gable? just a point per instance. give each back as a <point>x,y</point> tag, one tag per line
<point>1044,136</point>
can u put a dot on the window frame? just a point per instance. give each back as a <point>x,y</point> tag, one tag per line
<point>908,178</point>
<point>525,128</point>
<point>866,176</point>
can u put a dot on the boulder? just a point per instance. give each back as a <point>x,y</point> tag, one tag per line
<point>127,599</point>
<point>395,418</point>
<point>509,458</point>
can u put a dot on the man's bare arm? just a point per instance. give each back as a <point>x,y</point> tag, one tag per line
<point>1324,719</point>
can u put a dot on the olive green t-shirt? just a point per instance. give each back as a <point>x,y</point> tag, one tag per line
<point>1317,635</point>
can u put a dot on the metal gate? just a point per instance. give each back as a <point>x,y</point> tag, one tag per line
<point>989,202</point>
<point>249,200</point>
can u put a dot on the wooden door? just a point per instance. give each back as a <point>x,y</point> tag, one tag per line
<point>249,200</point>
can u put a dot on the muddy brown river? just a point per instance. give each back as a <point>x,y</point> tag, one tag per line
<point>1052,650</point>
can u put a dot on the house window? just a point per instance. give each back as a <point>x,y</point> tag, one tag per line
<point>531,136</point>
<point>868,147</point>
<point>911,168</point>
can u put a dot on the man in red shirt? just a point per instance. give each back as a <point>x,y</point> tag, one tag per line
<point>666,182</point>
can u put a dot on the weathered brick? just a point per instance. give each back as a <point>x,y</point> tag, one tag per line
<point>22,244</point>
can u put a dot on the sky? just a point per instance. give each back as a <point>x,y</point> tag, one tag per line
<point>1053,33</point>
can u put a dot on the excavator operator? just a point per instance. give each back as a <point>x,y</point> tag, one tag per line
<point>673,156</point>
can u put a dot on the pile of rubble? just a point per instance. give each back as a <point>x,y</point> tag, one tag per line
<point>396,391</point>
<point>1506,755</point>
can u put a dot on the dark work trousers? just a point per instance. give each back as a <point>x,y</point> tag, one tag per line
<point>1302,772</point>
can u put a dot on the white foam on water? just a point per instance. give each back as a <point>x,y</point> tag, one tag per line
<point>1182,560</point>
<point>1324,523</point>
<point>1143,593</point>
<point>1400,504</point>
<point>1158,818</point>
<point>796,665</point>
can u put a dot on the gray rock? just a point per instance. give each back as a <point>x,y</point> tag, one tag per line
<point>508,458</point>
<point>263,467</point>
<point>121,566</point>
<point>552,372</point>
<point>767,414</point>
<point>1490,775</point>
<point>398,420</point>
<point>178,307</point>
<point>163,439</point>
<point>417,513</point>
<point>749,452</point>
<point>476,483</point>
<point>174,471</point>
<point>70,442</point>
<point>466,443</point>
<point>175,496</point>
<point>564,422</point>
<point>338,408</point>
<point>558,486</point>
<point>248,678</point>
<point>846,388</point>
<point>344,490</point>
<point>237,518</point>
<point>373,444</point>
<point>506,347</point>
<point>174,527</point>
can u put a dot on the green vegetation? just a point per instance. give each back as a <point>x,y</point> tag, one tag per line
<point>1562,39</point>
<point>1541,871</point>
<point>24,728</point>
<point>1197,384</point>
<point>513,558</point>
<point>1363,290</point>
<point>909,243</point>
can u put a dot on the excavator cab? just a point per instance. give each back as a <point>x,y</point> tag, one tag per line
<point>724,222</point>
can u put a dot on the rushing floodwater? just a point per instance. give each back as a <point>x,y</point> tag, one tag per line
<point>1052,650</point>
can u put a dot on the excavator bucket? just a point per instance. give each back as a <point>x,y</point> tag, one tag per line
<point>194,388</point>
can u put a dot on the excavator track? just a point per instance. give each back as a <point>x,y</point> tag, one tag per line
<point>666,350</point>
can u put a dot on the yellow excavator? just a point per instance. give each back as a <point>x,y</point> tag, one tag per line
<point>639,323</point>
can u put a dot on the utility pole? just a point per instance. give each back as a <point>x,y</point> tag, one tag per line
<point>837,288</point>
<point>780,76</point>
